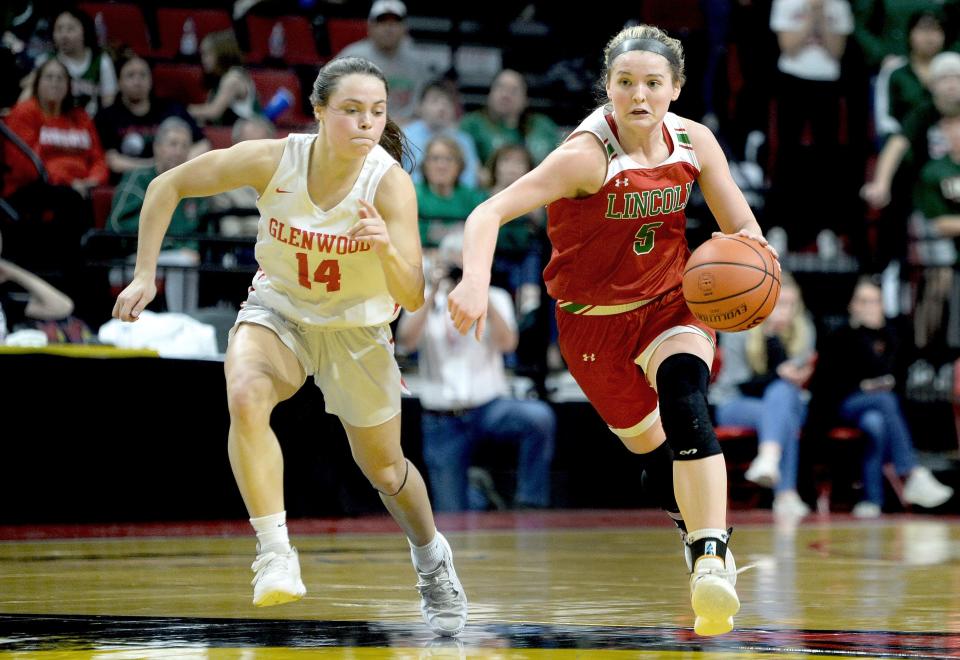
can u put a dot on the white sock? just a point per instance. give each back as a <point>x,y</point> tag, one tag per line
<point>272,532</point>
<point>428,557</point>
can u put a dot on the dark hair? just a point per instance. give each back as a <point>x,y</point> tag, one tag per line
<point>503,151</point>
<point>441,85</point>
<point>86,23</point>
<point>69,102</point>
<point>226,51</point>
<point>128,56</point>
<point>934,15</point>
<point>393,140</point>
<point>527,115</point>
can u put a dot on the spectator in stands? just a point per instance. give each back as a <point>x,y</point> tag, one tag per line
<point>59,132</point>
<point>905,86</point>
<point>813,36</point>
<point>93,78</point>
<point>391,48</point>
<point>438,116</point>
<point>859,372</point>
<point>237,208</point>
<point>882,26</point>
<point>171,147</point>
<point>25,298</point>
<point>233,94</point>
<point>127,126</point>
<point>762,385</point>
<point>465,395</point>
<point>507,119</point>
<point>937,200</point>
<point>907,151</point>
<point>443,202</point>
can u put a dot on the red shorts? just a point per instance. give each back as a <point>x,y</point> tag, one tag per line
<point>607,354</point>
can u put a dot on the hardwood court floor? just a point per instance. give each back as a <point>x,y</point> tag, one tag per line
<point>608,584</point>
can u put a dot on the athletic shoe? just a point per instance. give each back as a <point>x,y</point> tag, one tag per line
<point>764,470</point>
<point>923,488</point>
<point>713,595</point>
<point>442,599</point>
<point>277,578</point>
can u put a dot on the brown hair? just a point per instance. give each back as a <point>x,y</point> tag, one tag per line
<point>642,32</point>
<point>393,139</point>
<point>502,151</point>
<point>796,337</point>
<point>450,144</point>
<point>69,102</point>
<point>226,51</point>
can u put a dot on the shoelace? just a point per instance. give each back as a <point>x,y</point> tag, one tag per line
<point>437,583</point>
<point>264,560</point>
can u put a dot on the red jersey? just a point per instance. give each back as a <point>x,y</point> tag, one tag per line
<point>626,242</point>
<point>67,144</point>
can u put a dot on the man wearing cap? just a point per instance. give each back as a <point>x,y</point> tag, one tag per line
<point>390,47</point>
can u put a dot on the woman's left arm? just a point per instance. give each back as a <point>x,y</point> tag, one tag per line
<point>723,196</point>
<point>390,225</point>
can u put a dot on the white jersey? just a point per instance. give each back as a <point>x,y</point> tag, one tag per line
<point>310,271</point>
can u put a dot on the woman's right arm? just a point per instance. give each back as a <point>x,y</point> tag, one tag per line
<point>576,168</point>
<point>249,163</point>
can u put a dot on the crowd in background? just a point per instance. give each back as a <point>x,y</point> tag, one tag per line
<point>841,119</point>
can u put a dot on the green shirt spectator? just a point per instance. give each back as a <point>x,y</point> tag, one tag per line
<point>441,213</point>
<point>882,25</point>
<point>507,120</point>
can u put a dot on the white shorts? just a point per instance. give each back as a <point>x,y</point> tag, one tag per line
<point>355,368</point>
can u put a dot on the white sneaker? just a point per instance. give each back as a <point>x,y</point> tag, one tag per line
<point>789,504</point>
<point>866,509</point>
<point>442,599</point>
<point>713,596</point>
<point>277,578</point>
<point>764,470</point>
<point>923,488</point>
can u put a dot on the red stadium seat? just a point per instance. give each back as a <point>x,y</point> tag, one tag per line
<point>344,31</point>
<point>301,48</point>
<point>170,26</point>
<point>101,198</point>
<point>179,82</point>
<point>220,137</point>
<point>124,23</point>
<point>674,16</point>
<point>268,81</point>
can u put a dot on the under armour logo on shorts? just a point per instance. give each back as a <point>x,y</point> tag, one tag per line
<point>589,357</point>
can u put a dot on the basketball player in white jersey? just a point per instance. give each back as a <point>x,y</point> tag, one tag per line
<point>339,253</point>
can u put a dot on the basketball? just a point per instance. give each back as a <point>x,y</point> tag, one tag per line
<point>731,283</point>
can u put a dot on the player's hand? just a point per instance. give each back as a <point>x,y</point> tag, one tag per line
<point>133,299</point>
<point>371,228</point>
<point>468,305</point>
<point>876,194</point>
<point>753,237</point>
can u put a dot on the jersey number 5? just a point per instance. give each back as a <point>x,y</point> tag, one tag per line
<point>644,239</point>
<point>328,272</point>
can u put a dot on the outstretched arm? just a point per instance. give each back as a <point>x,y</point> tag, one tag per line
<point>576,168</point>
<point>250,163</point>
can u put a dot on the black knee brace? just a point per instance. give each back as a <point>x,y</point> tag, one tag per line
<point>682,381</point>
<point>657,477</point>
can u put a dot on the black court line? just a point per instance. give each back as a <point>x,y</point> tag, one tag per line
<point>25,633</point>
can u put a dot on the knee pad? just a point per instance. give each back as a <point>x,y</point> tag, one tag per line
<point>682,381</point>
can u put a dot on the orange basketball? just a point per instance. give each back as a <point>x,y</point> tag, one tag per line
<point>731,283</point>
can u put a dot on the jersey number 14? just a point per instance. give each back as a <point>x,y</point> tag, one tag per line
<point>328,273</point>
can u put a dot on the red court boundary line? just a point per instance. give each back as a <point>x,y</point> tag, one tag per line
<point>383,524</point>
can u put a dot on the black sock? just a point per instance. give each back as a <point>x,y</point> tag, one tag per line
<point>657,478</point>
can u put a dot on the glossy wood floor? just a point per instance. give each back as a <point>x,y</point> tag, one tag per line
<point>541,585</point>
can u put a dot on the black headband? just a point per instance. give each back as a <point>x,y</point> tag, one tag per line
<point>650,45</point>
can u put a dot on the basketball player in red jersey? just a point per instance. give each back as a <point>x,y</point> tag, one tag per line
<point>616,190</point>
